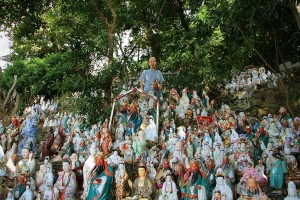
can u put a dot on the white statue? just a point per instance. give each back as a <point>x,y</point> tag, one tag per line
<point>151,131</point>
<point>47,180</point>
<point>114,159</point>
<point>292,192</point>
<point>10,195</point>
<point>206,152</point>
<point>184,100</point>
<point>47,193</point>
<point>221,186</point>
<point>181,133</point>
<point>28,194</point>
<point>88,166</point>
<point>169,189</point>
<point>152,171</point>
<point>179,155</point>
<point>77,140</point>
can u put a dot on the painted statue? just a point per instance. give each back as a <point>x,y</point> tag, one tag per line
<point>101,179</point>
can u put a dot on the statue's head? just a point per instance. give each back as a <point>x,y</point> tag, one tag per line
<point>220,177</point>
<point>194,166</point>
<point>66,163</point>
<point>142,170</point>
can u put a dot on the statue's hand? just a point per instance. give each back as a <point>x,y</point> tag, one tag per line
<point>198,187</point>
<point>130,183</point>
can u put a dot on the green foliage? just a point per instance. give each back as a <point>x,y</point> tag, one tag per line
<point>57,44</point>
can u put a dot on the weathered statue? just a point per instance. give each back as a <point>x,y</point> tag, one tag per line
<point>292,192</point>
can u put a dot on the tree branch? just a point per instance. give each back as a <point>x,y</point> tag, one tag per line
<point>10,91</point>
<point>16,106</point>
<point>103,18</point>
<point>112,10</point>
<point>295,11</point>
<point>160,11</point>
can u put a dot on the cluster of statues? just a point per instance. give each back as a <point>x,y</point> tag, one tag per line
<point>195,151</point>
<point>252,78</point>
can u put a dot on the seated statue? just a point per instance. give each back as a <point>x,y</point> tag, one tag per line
<point>169,189</point>
<point>142,187</point>
<point>27,164</point>
<point>66,185</point>
<point>221,186</point>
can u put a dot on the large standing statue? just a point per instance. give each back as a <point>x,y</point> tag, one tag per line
<point>196,183</point>
<point>101,179</point>
<point>66,185</point>
<point>88,166</point>
<point>29,133</point>
<point>278,167</point>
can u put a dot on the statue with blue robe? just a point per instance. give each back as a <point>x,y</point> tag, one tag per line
<point>101,179</point>
<point>278,168</point>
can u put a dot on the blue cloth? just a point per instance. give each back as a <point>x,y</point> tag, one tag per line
<point>277,171</point>
<point>106,192</point>
<point>148,77</point>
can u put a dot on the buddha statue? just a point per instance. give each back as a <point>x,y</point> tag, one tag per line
<point>142,187</point>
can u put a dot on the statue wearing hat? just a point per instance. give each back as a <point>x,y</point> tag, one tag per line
<point>195,186</point>
<point>222,189</point>
<point>27,164</point>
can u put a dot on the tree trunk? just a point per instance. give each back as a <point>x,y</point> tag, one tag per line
<point>110,27</point>
<point>295,8</point>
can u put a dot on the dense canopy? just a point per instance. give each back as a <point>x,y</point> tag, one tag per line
<point>93,47</point>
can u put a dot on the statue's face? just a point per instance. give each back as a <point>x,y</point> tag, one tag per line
<point>142,172</point>
<point>251,184</point>
<point>220,180</point>
<point>243,145</point>
<point>178,146</point>
<point>194,167</point>
<point>25,153</point>
<point>217,196</point>
<point>66,166</point>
